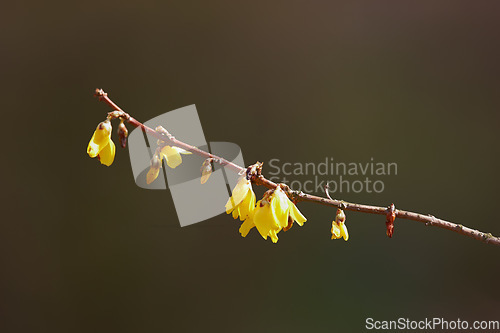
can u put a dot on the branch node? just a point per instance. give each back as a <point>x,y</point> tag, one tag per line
<point>254,171</point>
<point>389,220</point>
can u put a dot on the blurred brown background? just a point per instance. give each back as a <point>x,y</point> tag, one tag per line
<point>83,249</point>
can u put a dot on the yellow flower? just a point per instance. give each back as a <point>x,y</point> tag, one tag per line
<point>286,210</point>
<point>101,145</point>
<point>173,155</point>
<point>272,213</point>
<point>242,201</point>
<point>339,229</point>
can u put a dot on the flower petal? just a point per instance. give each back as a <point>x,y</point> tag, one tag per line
<point>336,233</point>
<point>107,154</point>
<point>152,175</point>
<point>273,235</point>
<point>230,205</point>
<point>172,156</point>
<point>343,231</point>
<point>100,139</point>
<point>281,206</point>
<point>247,205</point>
<point>246,227</point>
<point>265,219</point>
<point>93,148</point>
<point>239,193</point>
<point>236,212</point>
<point>296,214</point>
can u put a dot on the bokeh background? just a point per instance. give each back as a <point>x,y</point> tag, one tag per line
<point>83,249</point>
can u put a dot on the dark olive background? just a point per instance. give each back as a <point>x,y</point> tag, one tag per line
<point>83,249</point>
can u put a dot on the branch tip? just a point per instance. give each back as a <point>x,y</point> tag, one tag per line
<point>327,191</point>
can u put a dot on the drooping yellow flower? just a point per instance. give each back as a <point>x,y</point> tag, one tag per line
<point>264,218</point>
<point>339,229</point>
<point>101,145</point>
<point>206,170</point>
<point>286,211</point>
<point>173,155</point>
<point>242,201</point>
<point>271,215</point>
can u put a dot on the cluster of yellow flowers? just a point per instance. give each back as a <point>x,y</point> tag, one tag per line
<point>273,213</point>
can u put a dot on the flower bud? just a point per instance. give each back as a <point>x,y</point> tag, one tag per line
<point>156,162</point>
<point>340,217</point>
<point>122,134</point>
<point>206,170</point>
<point>154,170</point>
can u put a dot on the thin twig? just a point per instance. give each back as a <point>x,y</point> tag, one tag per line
<point>259,179</point>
